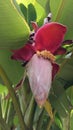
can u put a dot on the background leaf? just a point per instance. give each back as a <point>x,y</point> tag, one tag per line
<point>14,30</point>
<point>63,80</point>
<point>62,11</point>
<point>31,12</point>
<point>13,69</point>
<point>71,120</point>
<point>38,8</point>
<point>28,12</point>
<point>45,5</point>
<point>3,89</point>
<point>66,71</point>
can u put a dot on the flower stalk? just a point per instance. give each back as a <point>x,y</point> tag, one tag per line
<point>48,108</point>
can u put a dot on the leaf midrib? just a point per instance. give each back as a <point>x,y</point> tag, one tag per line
<point>62,4</point>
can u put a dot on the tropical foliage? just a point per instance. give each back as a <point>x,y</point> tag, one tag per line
<point>18,109</point>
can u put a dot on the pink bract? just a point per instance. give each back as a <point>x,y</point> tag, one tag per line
<point>39,71</point>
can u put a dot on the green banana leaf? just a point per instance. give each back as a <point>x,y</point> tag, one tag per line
<point>13,69</point>
<point>63,80</point>
<point>14,30</point>
<point>62,11</point>
<point>45,5</point>
<point>38,8</point>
